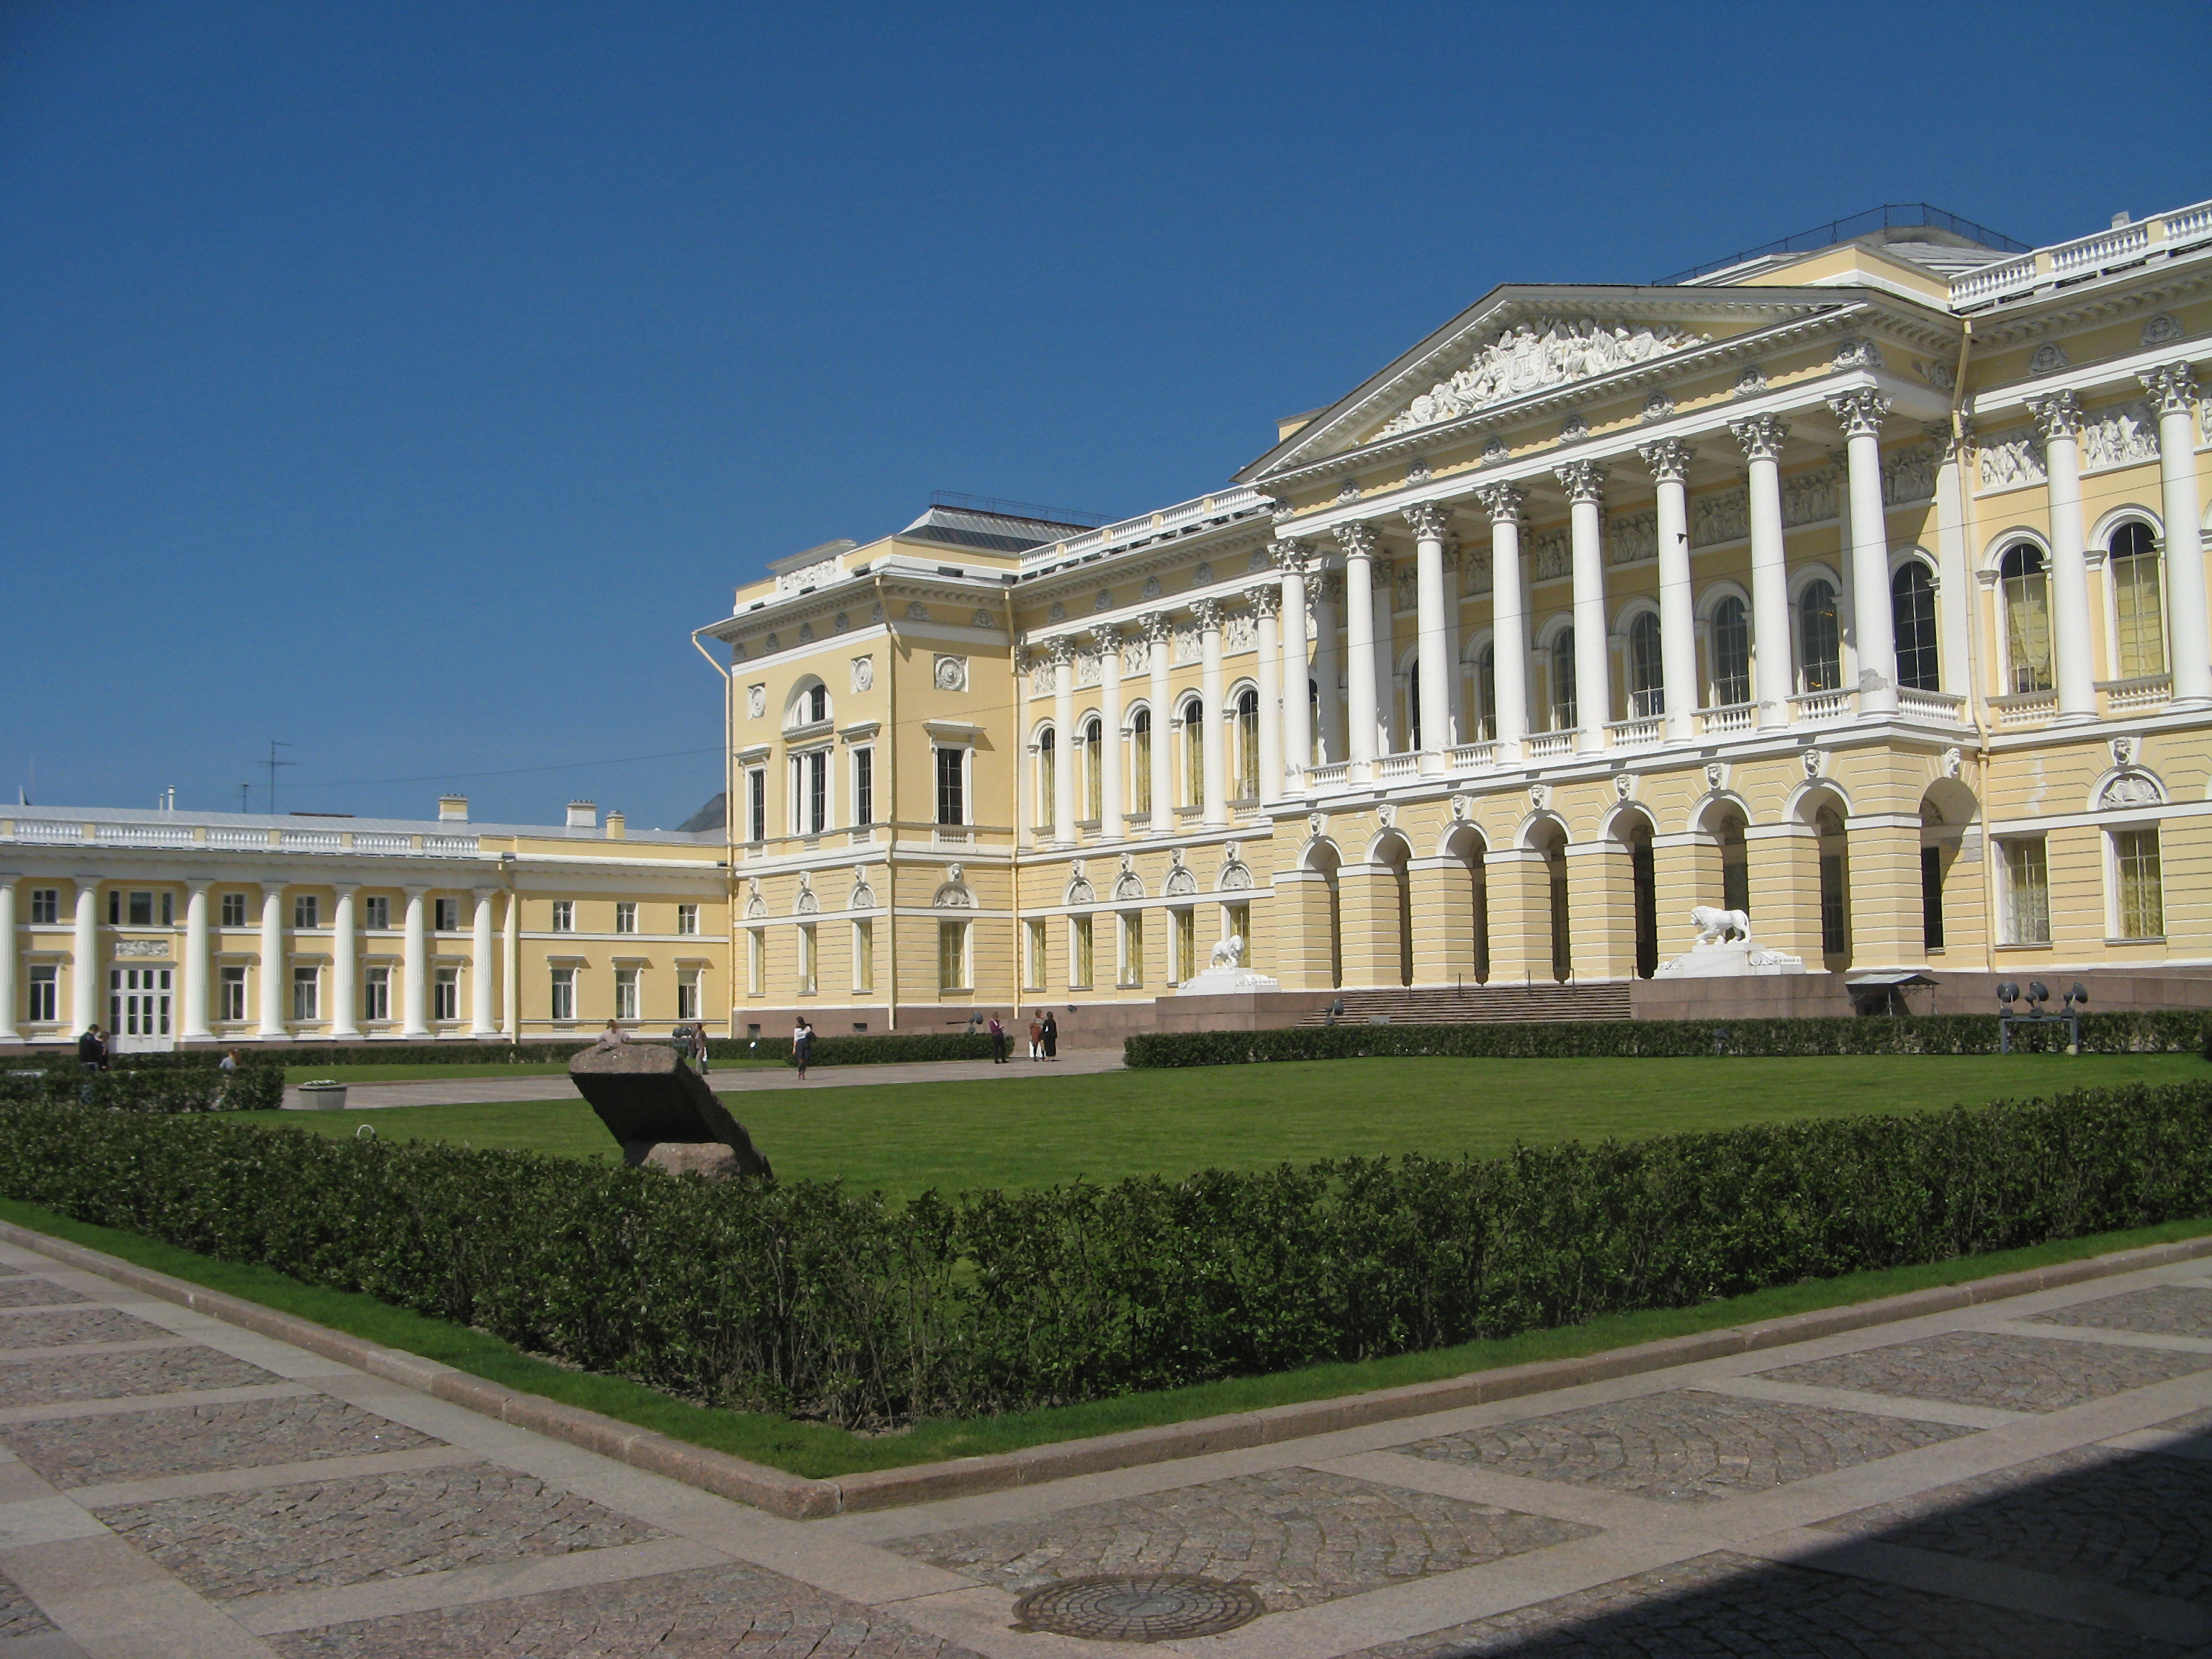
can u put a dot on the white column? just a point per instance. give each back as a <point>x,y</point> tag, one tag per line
<point>345,958</point>
<point>1116,757</point>
<point>274,975</point>
<point>1159,645</point>
<point>1861,412</point>
<point>199,987</point>
<point>2173,392</point>
<point>1762,438</point>
<point>85,965</point>
<point>415,969</point>
<point>1585,486</point>
<point>8,958</point>
<point>1358,541</point>
<point>1328,666</point>
<point>1062,652</point>
<point>482,975</point>
<point>1669,461</point>
<point>1509,611</point>
<point>1431,523</point>
<point>1214,755</point>
<point>1292,561</point>
<point>1267,604</point>
<point>2073,662</point>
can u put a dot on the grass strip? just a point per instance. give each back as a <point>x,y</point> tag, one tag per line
<point>821,1451</point>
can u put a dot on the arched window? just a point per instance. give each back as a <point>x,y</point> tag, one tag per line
<point>1563,681</point>
<point>1485,691</point>
<point>1094,764</point>
<point>1912,612</point>
<point>1731,653</point>
<point>818,703</point>
<point>1735,864</point>
<point>2136,608</point>
<point>1194,753</point>
<point>2024,575</point>
<point>1247,745</point>
<point>1141,760</point>
<point>1047,778</point>
<point>1646,689</point>
<point>1820,644</point>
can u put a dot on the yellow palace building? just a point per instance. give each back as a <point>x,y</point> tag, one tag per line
<point>1856,585</point>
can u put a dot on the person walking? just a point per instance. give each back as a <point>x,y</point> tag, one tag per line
<point>699,1050</point>
<point>998,1041</point>
<point>802,1045</point>
<point>1037,1037</point>
<point>1051,1035</point>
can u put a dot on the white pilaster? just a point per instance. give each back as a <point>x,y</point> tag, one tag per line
<point>1062,652</point>
<point>1431,523</point>
<point>198,990</point>
<point>85,965</point>
<point>2073,661</point>
<point>1112,763</point>
<point>275,976</point>
<point>482,974</point>
<point>1266,605</point>
<point>1385,575</point>
<point>1213,756</point>
<point>2173,392</point>
<point>1861,413</point>
<point>1358,541</point>
<point>8,958</point>
<point>1160,645</point>
<point>1669,461</point>
<point>1762,438</point>
<point>415,969</point>
<point>1508,610</point>
<point>1585,486</point>
<point>345,958</point>
<point>1293,561</point>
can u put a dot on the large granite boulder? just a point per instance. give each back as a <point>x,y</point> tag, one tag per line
<point>662,1112</point>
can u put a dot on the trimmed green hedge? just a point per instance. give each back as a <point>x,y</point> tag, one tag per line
<point>177,1089</point>
<point>2152,1031</point>
<point>810,1299</point>
<point>892,1048</point>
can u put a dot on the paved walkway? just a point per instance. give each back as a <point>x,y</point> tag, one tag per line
<point>734,1080</point>
<point>2029,1480</point>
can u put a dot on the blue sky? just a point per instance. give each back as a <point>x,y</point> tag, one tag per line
<point>404,382</point>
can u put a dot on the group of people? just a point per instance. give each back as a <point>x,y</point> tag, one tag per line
<point>1044,1037</point>
<point>690,1042</point>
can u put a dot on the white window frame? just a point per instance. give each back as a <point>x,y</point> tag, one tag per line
<point>961,753</point>
<point>231,998</point>
<point>444,915</point>
<point>626,992</point>
<point>1129,948</point>
<point>688,1000</point>
<point>2008,897</point>
<point>687,919</point>
<point>864,954</point>
<point>42,988</point>
<point>2113,912</point>
<point>445,994</point>
<point>45,907</point>
<point>963,956</point>
<point>1081,943</point>
<point>307,993</point>
<point>1033,951</point>
<point>625,916</point>
<point>563,1000</point>
<point>756,961</point>
<point>756,805</point>
<point>234,911</point>
<point>376,914</point>
<point>564,915</point>
<point>376,995</point>
<point>864,786</point>
<point>809,959</point>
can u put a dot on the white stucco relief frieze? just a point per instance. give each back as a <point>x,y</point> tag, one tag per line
<point>2012,460</point>
<point>1633,538</point>
<point>2126,436</point>
<point>1525,360</point>
<point>1551,556</point>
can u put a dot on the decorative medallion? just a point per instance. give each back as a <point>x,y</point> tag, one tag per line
<point>1459,808</point>
<point>1539,795</point>
<point>1417,471</point>
<point>1658,406</point>
<point>2123,751</point>
<point>982,619</point>
<point>1715,775</point>
<point>1496,450</point>
<point>2131,788</point>
<point>1102,600</point>
<point>951,674</point>
<point>1573,429</point>
<point>755,701</point>
<point>1057,613</point>
<point>843,623</point>
<point>917,612</point>
<point>2161,329</point>
<point>1811,757</point>
<point>864,673</point>
<point>1201,576</point>
<point>1753,379</point>
<point>806,633</point>
<point>774,643</point>
<point>1387,815</point>
<point>1152,588</point>
<point>1347,492</point>
<point>1316,824</point>
<point>1624,786</point>
<point>955,873</point>
<point>1954,762</point>
<point>2050,357</point>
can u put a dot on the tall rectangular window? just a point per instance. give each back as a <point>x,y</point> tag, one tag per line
<point>233,909</point>
<point>817,792</point>
<point>1078,953</point>
<point>625,993</point>
<point>169,908</point>
<point>625,916</point>
<point>951,956</point>
<point>307,910</point>
<point>952,795</point>
<point>46,906</point>
<point>1238,919</point>
<point>1931,898</point>
<point>687,918</point>
<point>376,995</point>
<point>564,915</point>
<point>757,804</point>
<point>142,910</point>
<point>304,1000</point>
<point>445,993</point>
<point>230,998</point>
<point>1835,931</point>
<point>1033,955</point>
<point>2140,888</point>
<point>564,994</point>
<point>864,955</point>
<point>1133,948</point>
<point>446,915</point>
<point>2028,893</point>
<point>45,1000</point>
<point>687,995</point>
<point>1186,944</point>
<point>376,912</point>
<point>808,971</point>
<point>864,787</point>
<point>756,960</point>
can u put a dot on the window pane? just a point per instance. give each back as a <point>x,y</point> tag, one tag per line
<point>2028,893</point>
<point>1820,645</point>
<point>2028,620</point>
<point>1912,614</point>
<point>1564,712</point>
<point>952,804</point>
<point>1140,761</point>
<point>2143,900</point>
<point>2135,605</point>
<point>1486,681</point>
<point>1646,693</point>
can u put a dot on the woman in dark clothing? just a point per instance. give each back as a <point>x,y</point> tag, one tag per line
<point>1051,1036</point>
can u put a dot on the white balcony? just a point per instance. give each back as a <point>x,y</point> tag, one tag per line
<point>1727,719</point>
<point>1334,777</point>
<point>1940,707</point>
<point>1469,756</point>
<point>1822,708</point>
<point>1644,732</point>
<point>2144,691</point>
<point>1551,745</point>
<point>1397,766</point>
<point>2026,708</point>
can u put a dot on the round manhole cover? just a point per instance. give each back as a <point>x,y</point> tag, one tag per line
<point>1154,1607</point>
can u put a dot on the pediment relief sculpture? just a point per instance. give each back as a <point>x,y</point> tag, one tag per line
<point>1525,360</point>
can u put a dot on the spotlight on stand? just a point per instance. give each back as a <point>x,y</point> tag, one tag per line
<point>2079,996</point>
<point>2008,993</point>
<point>2038,993</point>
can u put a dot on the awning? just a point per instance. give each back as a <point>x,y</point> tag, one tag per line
<point>1903,979</point>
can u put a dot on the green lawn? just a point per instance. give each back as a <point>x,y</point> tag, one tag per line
<point>903,1139</point>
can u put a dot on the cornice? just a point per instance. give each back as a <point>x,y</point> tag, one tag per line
<point>2139,288</point>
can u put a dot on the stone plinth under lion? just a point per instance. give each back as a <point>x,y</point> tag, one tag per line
<point>1724,948</point>
<point>662,1112</point>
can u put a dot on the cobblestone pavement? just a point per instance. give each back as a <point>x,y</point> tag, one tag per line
<point>2021,1479</point>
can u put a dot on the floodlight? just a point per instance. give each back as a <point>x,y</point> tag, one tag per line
<point>2007,993</point>
<point>2037,991</point>
<point>2080,993</point>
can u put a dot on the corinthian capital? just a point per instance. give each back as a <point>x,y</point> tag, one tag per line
<point>1062,651</point>
<point>1292,558</point>
<point>1762,437</point>
<point>1860,411</point>
<point>1326,588</point>
<point>1158,626</point>
<point>1265,600</point>
<point>1430,521</point>
<point>2058,416</point>
<point>1669,460</point>
<point>1584,480</point>
<point>1357,540</point>
<point>1502,501</point>
<point>1107,637</point>
<point>2173,388</point>
<point>1208,615</point>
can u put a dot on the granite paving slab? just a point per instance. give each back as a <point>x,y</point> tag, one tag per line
<point>1988,1367</point>
<point>707,1613</point>
<point>20,1292</point>
<point>84,1451</point>
<point>318,1535</point>
<point>2160,1310</point>
<point>120,1376</point>
<point>1685,1445</point>
<point>18,1615</point>
<point>61,1330</point>
<point>1724,1606</point>
<point>1298,1536</point>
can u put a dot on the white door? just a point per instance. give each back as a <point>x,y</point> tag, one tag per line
<point>138,1010</point>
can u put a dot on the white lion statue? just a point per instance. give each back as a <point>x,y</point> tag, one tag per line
<point>1717,926</point>
<point>1228,953</point>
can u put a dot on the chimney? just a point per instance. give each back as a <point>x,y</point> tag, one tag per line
<point>617,825</point>
<point>583,815</point>
<point>452,809</point>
